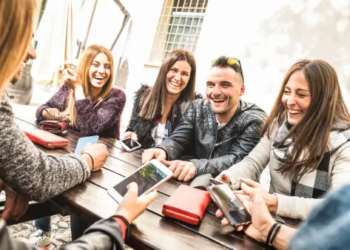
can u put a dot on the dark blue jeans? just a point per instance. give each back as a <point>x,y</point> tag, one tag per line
<point>43,224</point>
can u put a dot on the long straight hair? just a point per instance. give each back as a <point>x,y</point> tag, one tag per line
<point>83,71</point>
<point>154,98</point>
<point>16,22</point>
<point>326,108</point>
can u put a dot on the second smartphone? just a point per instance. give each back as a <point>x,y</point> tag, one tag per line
<point>230,205</point>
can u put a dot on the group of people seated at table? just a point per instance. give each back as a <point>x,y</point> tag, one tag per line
<point>304,142</point>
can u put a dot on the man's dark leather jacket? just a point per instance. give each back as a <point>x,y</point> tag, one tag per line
<point>215,150</point>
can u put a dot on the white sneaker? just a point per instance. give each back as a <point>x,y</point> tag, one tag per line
<point>40,238</point>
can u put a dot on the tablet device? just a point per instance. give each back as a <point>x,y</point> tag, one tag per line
<point>147,177</point>
<point>83,140</point>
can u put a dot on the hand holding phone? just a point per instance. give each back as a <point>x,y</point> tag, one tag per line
<point>132,206</point>
<point>130,144</point>
<point>147,177</point>
<point>230,205</point>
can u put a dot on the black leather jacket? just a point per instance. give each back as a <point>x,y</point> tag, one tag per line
<point>215,150</point>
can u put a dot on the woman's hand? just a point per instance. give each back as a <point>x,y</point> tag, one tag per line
<point>131,135</point>
<point>133,206</point>
<point>224,177</point>
<point>248,186</point>
<point>51,113</point>
<point>71,79</point>
<point>98,152</point>
<point>262,220</point>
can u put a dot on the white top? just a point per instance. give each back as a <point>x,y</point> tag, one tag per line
<point>159,134</point>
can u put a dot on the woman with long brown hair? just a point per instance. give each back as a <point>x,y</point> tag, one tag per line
<point>158,109</point>
<point>305,143</point>
<point>88,99</point>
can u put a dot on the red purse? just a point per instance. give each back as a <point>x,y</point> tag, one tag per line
<point>46,139</point>
<point>54,126</point>
<point>187,204</point>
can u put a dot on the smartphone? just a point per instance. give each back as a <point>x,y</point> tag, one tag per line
<point>129,144</point>
<point>147,177</point>
<point>83,140</point>
<point>230,205</point>
<point>216,182</point>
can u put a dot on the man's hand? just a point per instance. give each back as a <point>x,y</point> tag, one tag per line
<point>182,170</point>
<point>133,206</point>
<point>98,152</point>
<point>15,205</point>
<point>153,153</point>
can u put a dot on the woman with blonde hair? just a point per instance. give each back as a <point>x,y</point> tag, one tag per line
<point>93,107</point>
<point>25,171</point>
<point>306,143</point>
<point>88,99</point>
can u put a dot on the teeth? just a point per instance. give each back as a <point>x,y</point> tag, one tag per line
<point>175,84</point>
<point>98,78</point>
<point>294,112</point>
<point>218,100</point>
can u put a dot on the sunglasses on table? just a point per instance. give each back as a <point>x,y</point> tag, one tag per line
<point>231,61</point>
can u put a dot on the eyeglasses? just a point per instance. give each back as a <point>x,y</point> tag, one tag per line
<point>231,61</point>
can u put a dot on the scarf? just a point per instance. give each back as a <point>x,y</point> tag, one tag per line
<point>315,183</point>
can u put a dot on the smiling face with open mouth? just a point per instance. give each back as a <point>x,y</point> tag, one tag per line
<point>296,97</point>
<point>100,71</point>
<point>178,77</point>
<point>224,88</point>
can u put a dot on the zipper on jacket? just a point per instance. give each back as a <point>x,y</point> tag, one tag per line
<point>216,138</point>
<point>222,142</point>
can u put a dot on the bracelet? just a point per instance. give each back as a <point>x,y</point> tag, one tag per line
<point>127,224</point>
<point>92,160</point>
<point>272,229</point>
<point>275,234</point>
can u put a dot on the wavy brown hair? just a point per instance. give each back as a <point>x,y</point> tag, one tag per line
<point>154,98</point>
<point>326,108</point>
<point>16,22</point>
<point>83,71</point>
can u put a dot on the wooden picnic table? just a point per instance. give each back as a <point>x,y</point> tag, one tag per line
<point>151,230</point>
